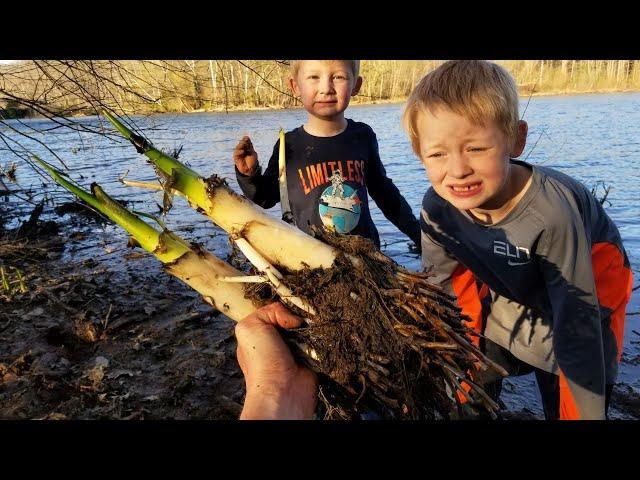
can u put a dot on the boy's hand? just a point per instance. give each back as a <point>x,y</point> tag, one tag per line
<point>245,157</point>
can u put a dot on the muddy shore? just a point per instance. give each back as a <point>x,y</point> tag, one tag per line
<point>108,337</point>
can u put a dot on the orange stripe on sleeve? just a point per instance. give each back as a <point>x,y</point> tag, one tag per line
<point>568,408</point>
<point>465,287</point>
<point>613,285</point>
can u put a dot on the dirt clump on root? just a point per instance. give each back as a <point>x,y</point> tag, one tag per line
<point>385,340</point>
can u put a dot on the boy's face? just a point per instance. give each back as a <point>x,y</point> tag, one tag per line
<point>325,88</point>
<point>468,164</point>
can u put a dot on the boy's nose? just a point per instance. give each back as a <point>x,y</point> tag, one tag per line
<point>457,166</point>
<point>326,85</point>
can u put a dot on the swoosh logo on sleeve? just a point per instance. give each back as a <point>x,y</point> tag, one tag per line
<point>512,263</point>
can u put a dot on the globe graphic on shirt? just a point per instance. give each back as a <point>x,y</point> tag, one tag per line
<point>340,208</point>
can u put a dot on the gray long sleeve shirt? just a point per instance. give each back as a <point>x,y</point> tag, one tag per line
<point>537,262</point>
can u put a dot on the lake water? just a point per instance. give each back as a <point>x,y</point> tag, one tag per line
<point>594,138</point>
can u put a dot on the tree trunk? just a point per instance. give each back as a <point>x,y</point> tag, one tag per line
<point>212,73</point>
<point>246,85</point>
<point>541,72</point>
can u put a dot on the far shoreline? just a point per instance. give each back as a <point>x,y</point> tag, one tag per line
<point>245,109</point>
<point>386,101</point>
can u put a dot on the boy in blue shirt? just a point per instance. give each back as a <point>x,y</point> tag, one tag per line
<point>332,163</point>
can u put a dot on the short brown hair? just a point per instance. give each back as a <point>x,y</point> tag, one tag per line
<point>479,90</point>
<point>354,65</point>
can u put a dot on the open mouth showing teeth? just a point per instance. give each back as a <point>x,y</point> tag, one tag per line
<point>466,188</point>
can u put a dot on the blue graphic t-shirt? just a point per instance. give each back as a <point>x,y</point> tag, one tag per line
<point>328,179</point>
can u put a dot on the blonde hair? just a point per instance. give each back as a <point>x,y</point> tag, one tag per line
<point>480,91</point>
<point>354,65</point>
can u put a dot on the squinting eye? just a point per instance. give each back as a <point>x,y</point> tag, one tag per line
<point>477,149</point>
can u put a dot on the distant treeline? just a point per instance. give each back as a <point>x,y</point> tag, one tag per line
<point>69,88</point>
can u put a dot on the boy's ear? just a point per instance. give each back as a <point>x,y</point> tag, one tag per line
<point>356,87</point>
<point>521,139</point>
<point>294,87</point>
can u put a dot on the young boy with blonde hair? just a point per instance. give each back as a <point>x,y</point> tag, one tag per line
<point>534,260</point>
<point>331,162</point>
